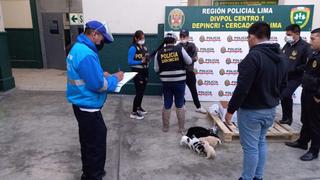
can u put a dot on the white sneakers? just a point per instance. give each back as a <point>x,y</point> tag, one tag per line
<point>142,111</point>
<point>136,115</point>
<point>201,110</point>
<point>139,114</point>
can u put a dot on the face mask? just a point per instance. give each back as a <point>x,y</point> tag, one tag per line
<point>184,41</point>
<point>289,39</point>
<point>100,46</point>
<point>141,42</point>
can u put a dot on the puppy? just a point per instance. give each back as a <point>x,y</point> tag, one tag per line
<point>211,153</point>
<point>199,132</point>
<point>185,140</point>
<point>213,141</point>
<point>197,146</point>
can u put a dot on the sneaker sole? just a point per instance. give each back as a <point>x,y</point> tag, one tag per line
<point>136,117</point>
<point>143,113</point>
<point>201,112</point>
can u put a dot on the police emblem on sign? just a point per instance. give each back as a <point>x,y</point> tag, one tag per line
<point>300,16</point>
<point>176,19</point>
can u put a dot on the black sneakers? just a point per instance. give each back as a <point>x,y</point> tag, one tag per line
<point>142,111</point>
<point>136,115</point>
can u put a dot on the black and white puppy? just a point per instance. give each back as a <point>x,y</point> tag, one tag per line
<point>194,144</point>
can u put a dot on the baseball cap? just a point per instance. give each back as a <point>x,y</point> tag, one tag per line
<point>101,28</point>
<point>170,35</point>
<point>184,32</point>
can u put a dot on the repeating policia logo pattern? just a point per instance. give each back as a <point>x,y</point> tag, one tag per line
<point>220,52</point>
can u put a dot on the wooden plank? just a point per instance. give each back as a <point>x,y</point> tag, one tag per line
<point>220,124</point>
<point>277,133</point>
<point>283,131</point>
<point>226,133</point>
<point>286,127</point>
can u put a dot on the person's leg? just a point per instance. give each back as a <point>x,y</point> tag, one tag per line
<point>179,91</point>
<point>168,101</point>
<point>287,102</point>
<point>137,85</point>
<point>268,115</point>
<point>92,135</point>
<point>143,82</point>
<point>305,132</point>
<point>305,135</point>
<point>250,130</point>
<point>315,127</point>
<point>192,85</point>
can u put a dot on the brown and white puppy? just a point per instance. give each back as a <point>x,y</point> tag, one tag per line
<point>213,141</point>
<point>211,153</point>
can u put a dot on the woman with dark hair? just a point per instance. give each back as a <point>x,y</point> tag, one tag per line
<point>138,60</point>
<point>170,62</point>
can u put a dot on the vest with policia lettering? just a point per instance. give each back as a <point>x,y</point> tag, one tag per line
<point>172,67</point>
<point>140,53</point>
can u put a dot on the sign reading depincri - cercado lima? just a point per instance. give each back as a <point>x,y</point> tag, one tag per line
<point>220,33</point>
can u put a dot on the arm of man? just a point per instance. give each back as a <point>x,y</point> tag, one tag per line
<point>131,60</point>
<point>156,65</point>
<point>194,53</point>
<point>284,81</point>
<point>317,95</point>
<point>186,57</point>
<point>306,53</point>
<point>91,72</point>
<point>247,71</point>
<point>112,83</point>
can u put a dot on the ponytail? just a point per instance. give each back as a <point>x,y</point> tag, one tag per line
<point>136,35</point>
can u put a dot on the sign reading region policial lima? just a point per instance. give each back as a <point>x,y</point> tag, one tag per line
<point>220,33</point>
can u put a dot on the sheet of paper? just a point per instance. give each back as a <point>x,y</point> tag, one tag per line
<point>127,76</point>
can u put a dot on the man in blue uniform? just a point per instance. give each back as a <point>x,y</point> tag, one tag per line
<point>87,89</point>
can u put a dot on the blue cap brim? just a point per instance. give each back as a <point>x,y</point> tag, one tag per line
<point>108,38</point>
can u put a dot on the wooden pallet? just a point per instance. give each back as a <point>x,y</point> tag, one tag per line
<point>279,132</point>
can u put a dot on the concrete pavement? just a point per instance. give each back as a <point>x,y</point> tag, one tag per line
<point>39,140</point>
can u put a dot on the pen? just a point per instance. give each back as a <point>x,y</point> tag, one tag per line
<point>119,67</point>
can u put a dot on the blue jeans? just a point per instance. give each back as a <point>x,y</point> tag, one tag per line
<point>174,90</point>
<point>253,126</point>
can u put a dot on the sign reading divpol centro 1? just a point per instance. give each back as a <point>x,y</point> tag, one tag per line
<point>220,33</point>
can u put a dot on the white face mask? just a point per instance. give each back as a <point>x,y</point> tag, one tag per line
<point>141,42</point>
<point>289,39</point>
<point>184,41</point>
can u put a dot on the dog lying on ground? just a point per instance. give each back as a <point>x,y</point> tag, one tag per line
<point>212,140</point>
<point>199,132</point>
<point>202,146</point>
<point>211,153</point>
<point>194,144</point>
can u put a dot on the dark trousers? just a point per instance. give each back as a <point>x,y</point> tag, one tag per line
<point>191,82</point>
<point>140,84</point>
<point>173,91</point>
<point>93,137</point>
<point>310,118</point>
<point>286,98</point>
